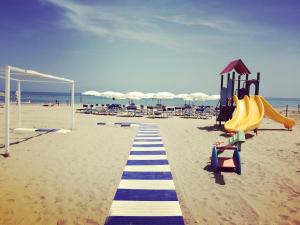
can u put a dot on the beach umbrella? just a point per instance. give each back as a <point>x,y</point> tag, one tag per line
<point>186,97</point>
<point>149,95</point>
<point>91,93</point>
<point>183,96</point>
<point>134,95</point>
<point>164,95</point>
<point>113,95</point>
<point>213,97</point>
<point>198,96</point>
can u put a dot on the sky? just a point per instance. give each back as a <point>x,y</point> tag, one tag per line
<point>159,45</point>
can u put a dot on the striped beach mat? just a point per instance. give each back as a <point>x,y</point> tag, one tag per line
<point>146,194</point>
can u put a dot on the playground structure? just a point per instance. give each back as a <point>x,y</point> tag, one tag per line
<point>240,110</point>
<point>25,75</point>
<point>232,163</point>
<point>228,90</point>
<point>241,113</point>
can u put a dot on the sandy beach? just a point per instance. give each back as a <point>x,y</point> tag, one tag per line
<point>71,178</point>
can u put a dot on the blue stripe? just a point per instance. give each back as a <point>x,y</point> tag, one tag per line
<point>145,195</point>
<point>144,220</point>
<point>151,140</point>
<point>46,130</point>
<point>149,145</point>
<point>147,152</point>
<point>148,162</point>
<point>147,175</point>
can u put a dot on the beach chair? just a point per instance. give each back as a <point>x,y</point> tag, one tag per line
<point>170,111</point>
<point>178,111</point>
<point>231,163</point>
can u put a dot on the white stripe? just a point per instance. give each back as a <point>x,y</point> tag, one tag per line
<point>147,138</point>
<point>147,149</point>
<point>147,133</point>
<point>147,184</point>
<point>147,157</point>
<point>148,130</point>
<point>148,143</point>
<point>145,208</point>
<point>155,135</point>
<point>148,168</point>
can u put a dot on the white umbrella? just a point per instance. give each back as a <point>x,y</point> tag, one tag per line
<point>183,96</point>
<point>213,97</point>
<point>112,94</point>
<point>134,95</point>
<point>149,95</point>
<point>91,93</point>
<point>164,95</point>
<point>188,98</point>
<point>198,96</point>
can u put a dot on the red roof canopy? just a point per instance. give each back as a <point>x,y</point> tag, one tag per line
<point>238,66</point>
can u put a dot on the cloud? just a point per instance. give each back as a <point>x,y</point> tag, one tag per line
<point>113,22</point>
<point>137,23</point>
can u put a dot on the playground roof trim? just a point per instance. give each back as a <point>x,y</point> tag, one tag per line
<point>238,66</point>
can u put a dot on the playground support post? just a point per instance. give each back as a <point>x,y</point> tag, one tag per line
<point>298,108</point>
<point>7,108</point>
<point>239,85</point>
<point>228,78</point>
<point>257,87</point>
<point>286,110</point>
<point>232,91</point>
<point>222,80</point>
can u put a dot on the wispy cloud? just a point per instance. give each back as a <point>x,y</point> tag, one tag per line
<point>139,24</point>
<point>113,22</point>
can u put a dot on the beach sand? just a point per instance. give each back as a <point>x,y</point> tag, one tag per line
<point>71,178</point>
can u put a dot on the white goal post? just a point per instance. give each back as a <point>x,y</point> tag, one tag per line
<point>8,72</point>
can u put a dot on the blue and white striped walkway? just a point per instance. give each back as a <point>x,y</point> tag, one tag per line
<point>146,194</point>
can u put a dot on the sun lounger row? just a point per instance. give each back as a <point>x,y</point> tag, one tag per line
<point>159,111</point>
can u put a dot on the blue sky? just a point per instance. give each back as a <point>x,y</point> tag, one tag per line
<point>159,45</point>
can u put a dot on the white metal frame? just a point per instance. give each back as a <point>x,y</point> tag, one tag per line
<point>10,70</point>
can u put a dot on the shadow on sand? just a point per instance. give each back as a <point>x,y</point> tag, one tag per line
<point>212,128</point>
<point>219,178</point>
<point>280,129</point>
<point>22,140</point>
<point>224,133</point>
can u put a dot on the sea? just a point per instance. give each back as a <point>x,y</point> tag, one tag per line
<point>64,98</point>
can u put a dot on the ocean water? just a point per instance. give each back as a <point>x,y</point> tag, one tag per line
<point>43,97</point>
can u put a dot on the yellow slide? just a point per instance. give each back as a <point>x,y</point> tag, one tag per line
<point>276,116</point>
<point>247,116</point>
<point>249,113</point>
